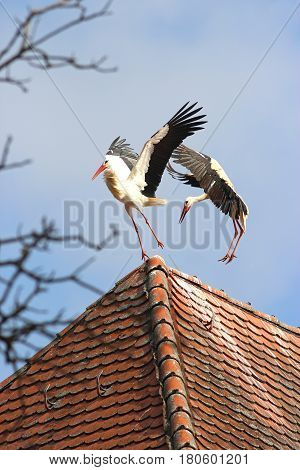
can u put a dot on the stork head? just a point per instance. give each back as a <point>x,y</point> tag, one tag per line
<point>101,168</point>
<point>186,207</point>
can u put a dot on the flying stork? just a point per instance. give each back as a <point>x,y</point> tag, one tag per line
<point>133,179</point>
<point>207,173</point>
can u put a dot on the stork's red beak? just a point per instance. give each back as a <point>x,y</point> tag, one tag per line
<point>100,169</point>
<point>184,212</point>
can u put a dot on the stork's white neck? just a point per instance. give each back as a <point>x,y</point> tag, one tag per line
<point>193,199</point>
<point>117,166</point>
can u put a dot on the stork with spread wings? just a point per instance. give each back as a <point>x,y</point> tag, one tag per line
<point>206,173</point>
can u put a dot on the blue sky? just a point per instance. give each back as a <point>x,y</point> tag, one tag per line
<point>167,53</point>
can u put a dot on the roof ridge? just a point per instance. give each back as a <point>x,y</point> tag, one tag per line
<point>165,349</point>
<point>212,290</point>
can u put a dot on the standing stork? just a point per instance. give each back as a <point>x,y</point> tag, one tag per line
<point>207,173</point>
<point>133,179</point>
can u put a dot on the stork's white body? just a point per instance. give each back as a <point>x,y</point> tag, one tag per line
<point>124,187</point>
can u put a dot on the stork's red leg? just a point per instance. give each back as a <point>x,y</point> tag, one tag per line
<point>153,233</point>
<point>227,256</point>
<point>144,254</point>
<point>242,231</point>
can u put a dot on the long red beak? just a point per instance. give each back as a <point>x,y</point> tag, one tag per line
<point>100,169</point>
<point>184,212</point>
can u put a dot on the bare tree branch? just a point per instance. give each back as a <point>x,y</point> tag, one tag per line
<point>24,45</point>
<point>16,327</point>
<point>3,162</point>
<point>18,82</point>
<point>41,60</point>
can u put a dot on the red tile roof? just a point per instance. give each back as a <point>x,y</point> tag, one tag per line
<point>161,361</point>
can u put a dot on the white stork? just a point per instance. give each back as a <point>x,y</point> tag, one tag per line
<point>207,173</point>
<point>133,179</point>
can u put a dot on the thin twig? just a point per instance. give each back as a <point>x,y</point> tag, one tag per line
<point>3,162</point>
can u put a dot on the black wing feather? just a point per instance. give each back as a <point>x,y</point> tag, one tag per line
<point>184,177</point>
<point>183,124</point>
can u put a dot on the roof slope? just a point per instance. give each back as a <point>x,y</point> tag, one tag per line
<point>161,361</point>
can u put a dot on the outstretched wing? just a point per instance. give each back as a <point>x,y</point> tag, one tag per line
<point>207,173</point>
<point>186,178</point>
<point>122,149</point>
<point>157,151</point>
